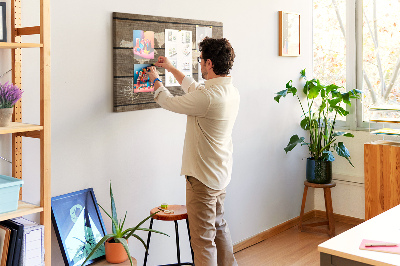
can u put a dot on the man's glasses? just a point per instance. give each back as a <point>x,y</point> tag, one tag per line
<point>199,59</point>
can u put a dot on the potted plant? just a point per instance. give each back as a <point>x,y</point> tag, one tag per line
<point>324,105</point>
<point>9,95</point>
<point>116,243</point>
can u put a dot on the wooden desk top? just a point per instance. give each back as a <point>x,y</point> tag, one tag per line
<point>384,227</point>
<point>105,263</point>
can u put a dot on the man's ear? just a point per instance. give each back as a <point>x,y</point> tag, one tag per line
<point>209,63</point>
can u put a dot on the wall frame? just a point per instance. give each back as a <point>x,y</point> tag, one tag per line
<point>78,226</point>
<point>124,60</point>
<point>289,34</point>
<point>3,22</point>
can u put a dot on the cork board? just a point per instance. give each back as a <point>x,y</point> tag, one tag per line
<point>123,58</point>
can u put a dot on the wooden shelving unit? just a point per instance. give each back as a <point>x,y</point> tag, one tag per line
<point>42,131</point>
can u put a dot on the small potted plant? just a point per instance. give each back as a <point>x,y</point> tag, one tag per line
<point>324,105</point>
<point>9,95</point>
<point>116,243</point>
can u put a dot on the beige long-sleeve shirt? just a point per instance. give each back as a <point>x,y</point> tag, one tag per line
<point>211,111</point>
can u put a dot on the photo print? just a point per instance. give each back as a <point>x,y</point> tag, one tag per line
<point>143,44</point>
<point>141,81</point>
<point>178,49</point>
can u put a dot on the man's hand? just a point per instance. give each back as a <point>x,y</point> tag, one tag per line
<point>164,63</point>
<point>152,72</point>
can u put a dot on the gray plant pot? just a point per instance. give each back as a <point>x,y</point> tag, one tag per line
<point>5,116</point>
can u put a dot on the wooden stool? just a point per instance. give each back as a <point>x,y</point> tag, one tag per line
<point>180,213</point>
<point>328,207</point>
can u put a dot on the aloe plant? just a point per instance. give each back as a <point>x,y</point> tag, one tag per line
<point>119,234</point>
<point>320,124</point>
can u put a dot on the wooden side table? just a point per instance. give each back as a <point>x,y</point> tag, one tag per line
<point>105,263</point>
<point>311,227</point>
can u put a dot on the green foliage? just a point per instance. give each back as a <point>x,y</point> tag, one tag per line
<point>119,234</point>
<point>321,123</point>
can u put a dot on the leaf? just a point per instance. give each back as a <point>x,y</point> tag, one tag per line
<point>305,123</point>
<point>346,98</point>
<point>102,240</point>
<point>280,94</point>
<point>113,211</point>
<point>327,156</point>
<point>349,135</point>
<point>140,239</point>
<point>126,247</point>
<point>338,133</point>
<point>294,140</point>
<point>343,151</point>
<point>331,88</point>
<point>303,73</point>
<point>313,92</point>
<point>115,223</point>
<point>133,229</point>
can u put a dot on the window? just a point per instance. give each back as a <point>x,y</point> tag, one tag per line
<point>356,45</point>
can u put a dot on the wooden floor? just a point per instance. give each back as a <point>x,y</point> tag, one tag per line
<point>290,247</point>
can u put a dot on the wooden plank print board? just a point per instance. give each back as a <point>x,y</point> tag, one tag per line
<point>125,99</point>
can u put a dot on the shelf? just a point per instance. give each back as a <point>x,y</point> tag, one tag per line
<point>16,127</point>
<point>386,120</point>
<point>387,131</point>
<point>9,45</point>
<point>24,208</point>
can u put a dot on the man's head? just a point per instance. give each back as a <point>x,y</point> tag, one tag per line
<point>217,56</point>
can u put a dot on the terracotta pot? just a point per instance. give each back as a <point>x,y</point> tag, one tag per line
<point>5,116</point>
<point>115,252</point>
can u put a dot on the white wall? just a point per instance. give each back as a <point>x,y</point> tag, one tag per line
<point>141,151</point>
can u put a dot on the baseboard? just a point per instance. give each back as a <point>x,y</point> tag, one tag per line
<point>289,224</point>
<point>340,218</point>
<point>271,232</point>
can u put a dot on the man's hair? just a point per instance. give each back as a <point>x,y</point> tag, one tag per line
<point>220,52</point>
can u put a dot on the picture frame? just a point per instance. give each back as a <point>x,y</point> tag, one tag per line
<point>3,22</point>
<point>78,225</point>
<point>289,34</point>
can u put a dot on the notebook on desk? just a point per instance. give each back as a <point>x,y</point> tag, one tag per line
<point>386,249</point>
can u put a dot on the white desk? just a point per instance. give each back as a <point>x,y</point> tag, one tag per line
<point>344,248</point>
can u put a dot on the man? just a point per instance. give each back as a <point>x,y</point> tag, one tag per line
<point>211,111</point>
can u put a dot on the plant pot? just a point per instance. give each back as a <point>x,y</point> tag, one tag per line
<point>319,172</point>
<point>5,116</point>
<point>115,252</point>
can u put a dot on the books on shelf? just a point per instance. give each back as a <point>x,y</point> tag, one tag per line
<point>26,243</point>
<point>4,243</point>
<point>386,131</point>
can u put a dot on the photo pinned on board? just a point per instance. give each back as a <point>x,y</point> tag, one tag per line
<point>143,44</point>
<point>141,81</point>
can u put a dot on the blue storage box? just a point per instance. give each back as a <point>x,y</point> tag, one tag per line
<point>9,193</point>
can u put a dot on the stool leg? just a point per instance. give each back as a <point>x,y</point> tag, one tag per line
<point>303,204</point>
<point>329,211</point>
<point>148,242</point>
<point>178,252</point>
<point>190,240</point>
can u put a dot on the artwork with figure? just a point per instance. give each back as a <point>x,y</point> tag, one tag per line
<point>78,226</point>
<point>141,81</point>
<point>143,44</point>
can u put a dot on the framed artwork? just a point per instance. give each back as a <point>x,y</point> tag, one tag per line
<point>78,226</point>
<point>289,34</point>
<point>3,26</point>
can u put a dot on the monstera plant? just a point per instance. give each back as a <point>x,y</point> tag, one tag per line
<point>324,103</point>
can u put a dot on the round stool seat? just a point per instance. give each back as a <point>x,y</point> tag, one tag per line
<point>308,184</point>
<point>180,213</point>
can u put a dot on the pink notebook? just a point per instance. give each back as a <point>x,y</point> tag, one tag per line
<point>393,249</point>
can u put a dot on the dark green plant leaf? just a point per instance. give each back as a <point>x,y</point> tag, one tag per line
<point>132,230</point>
<point>113,211</point>
<point>101,242</point>
<point>346,98</point>
<point>294,140</point>
<point>305,123</point>
<point>334,102</point>
<point>280,94</point>
<point>115,223</point>
<point>343,151</point>
<point>349,135</point>
<point>327,156</point>
<point>338,133</point>
<point>331,88</point>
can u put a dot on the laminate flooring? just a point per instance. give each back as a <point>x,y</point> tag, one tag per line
<point>290,247</point>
